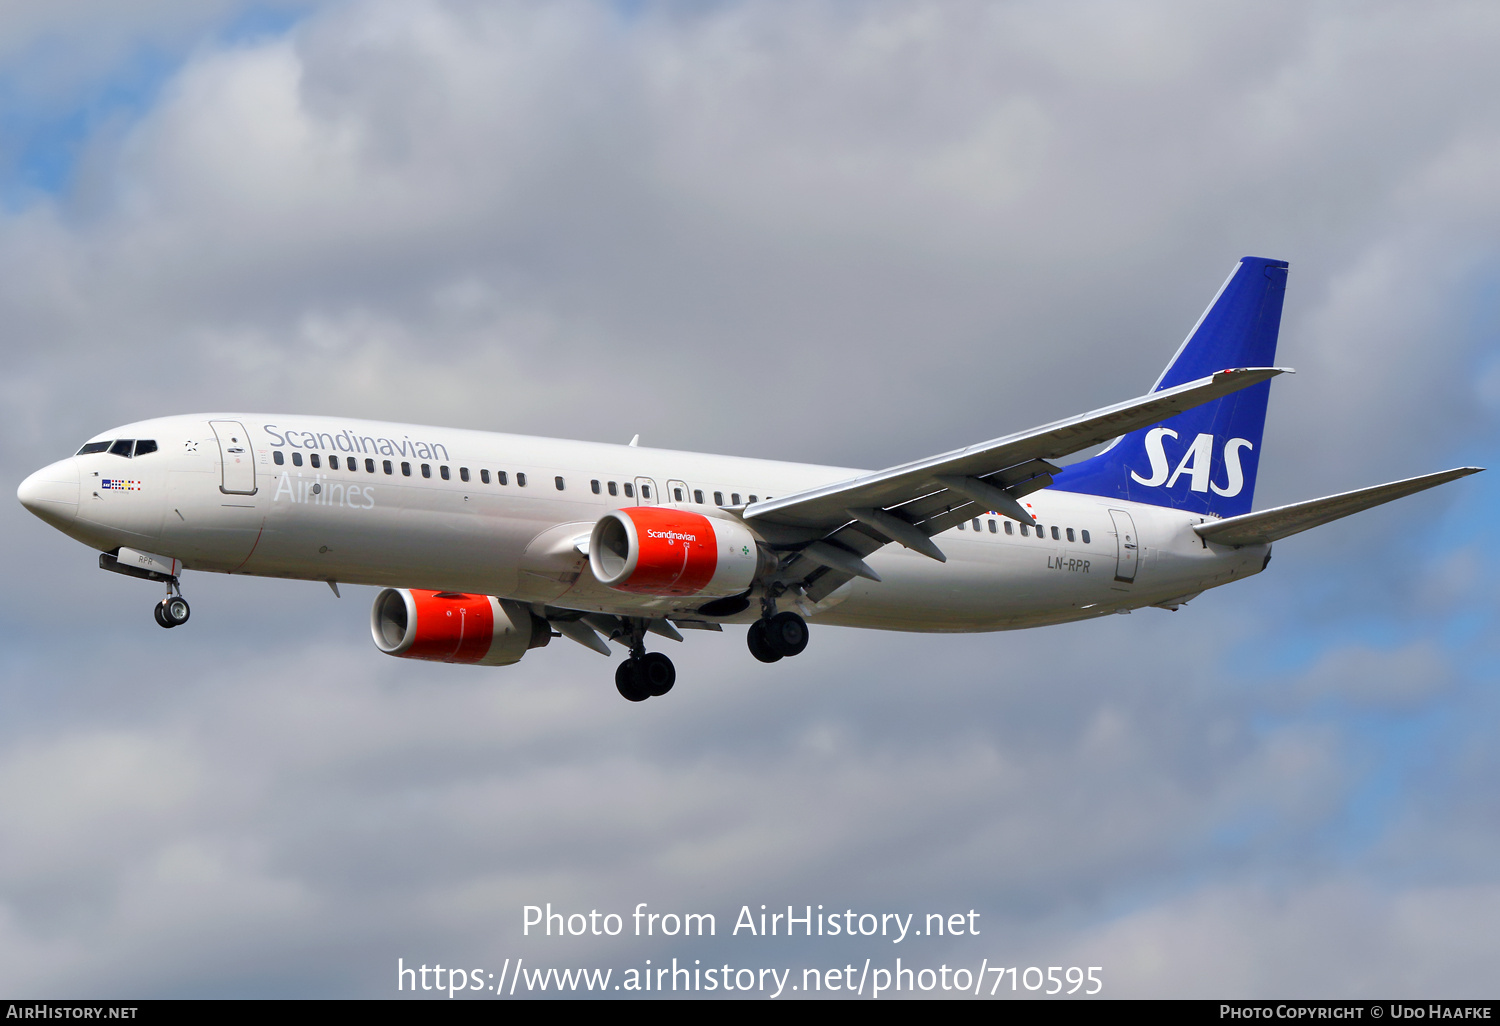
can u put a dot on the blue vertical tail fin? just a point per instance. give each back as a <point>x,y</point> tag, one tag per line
<point>1202,460</point>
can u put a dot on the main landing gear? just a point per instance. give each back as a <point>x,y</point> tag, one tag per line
<point>171,611</point>
<point>650,674</point>
<point>777,637</point>
<point>646,675</point>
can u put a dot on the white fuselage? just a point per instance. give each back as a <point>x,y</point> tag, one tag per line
<point>522,541</point>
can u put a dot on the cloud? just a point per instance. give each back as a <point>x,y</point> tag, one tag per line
<point>850,235</point>
<point>1336,938</point>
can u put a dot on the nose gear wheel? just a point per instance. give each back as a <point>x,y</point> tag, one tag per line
<point>172,611</point>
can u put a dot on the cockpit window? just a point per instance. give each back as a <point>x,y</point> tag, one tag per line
<point>145,445</point>
<point>123,447</point>
<point>94,447</point>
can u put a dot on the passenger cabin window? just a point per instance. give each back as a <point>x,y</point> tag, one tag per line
<point>405,469</point>
<point>960,525</point>
<point>676,494</point>
<point>277,458</point>
<point>520,479</point>
<point>612,489</point>
<point>559,482</point>
<point>1070,534</point>
<point>427,470</point>
<point>144,446</point>
<point>123,447</point>
<point>629,490</point>
<point>296,459</point>
<point>1025,531</point>
<point>484,476</point>
<point>1085,537</point>
<point>369,466</point>
<point>444,472</point>
<point>992,527</point>
<point>698,496</point>
<point>645,491</point>
<point>1009,528</point>
<point>333,463</point>
<point>1055,535</point>
<point>976,525</point>
<point>1041,533</point>
<point>502,477</point>
<point>734,498</point>
<point>385,465</point>
<point>752,498</point>
<point>463,473</point>
<point>313,459</point>
<point>718,498</point>
<point>594,487</point>
<point>93,447</point>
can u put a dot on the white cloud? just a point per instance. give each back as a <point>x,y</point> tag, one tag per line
<point>843,234</point>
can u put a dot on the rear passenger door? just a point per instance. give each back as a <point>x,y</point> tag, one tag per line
<point>1128,546</point>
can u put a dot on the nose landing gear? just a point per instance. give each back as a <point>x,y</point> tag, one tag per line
<point>172,611</point>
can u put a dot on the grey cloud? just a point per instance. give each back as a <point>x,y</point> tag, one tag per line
<point>842,234</point>
<point>1344,937</point>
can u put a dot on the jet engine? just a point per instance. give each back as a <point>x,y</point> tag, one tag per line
<point>662,550</point>
<point>448,627</point>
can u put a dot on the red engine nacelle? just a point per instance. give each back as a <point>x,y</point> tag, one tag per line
<point>448,627</point>
<point>662,550</point>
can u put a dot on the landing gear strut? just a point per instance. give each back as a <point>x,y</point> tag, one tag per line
<point>645,674</point>
<point>777,637</point>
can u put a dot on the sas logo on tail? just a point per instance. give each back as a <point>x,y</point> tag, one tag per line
<point>1196,463</point>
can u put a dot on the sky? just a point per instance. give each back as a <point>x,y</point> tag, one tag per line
<point>839,233</point>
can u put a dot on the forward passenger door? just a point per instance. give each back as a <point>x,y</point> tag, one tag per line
<point>235,457</point>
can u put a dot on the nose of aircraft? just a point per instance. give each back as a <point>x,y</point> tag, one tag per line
<point>52,493</point>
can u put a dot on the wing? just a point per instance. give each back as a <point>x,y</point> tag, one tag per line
<point>835,526</point>
<point>1273,524</point>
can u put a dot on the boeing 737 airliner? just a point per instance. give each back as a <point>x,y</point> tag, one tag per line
<point>490,545</point>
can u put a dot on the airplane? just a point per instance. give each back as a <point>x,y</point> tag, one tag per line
<point>536,538</point>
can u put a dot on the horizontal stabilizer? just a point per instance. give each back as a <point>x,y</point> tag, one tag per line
<point>1274,524</point>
